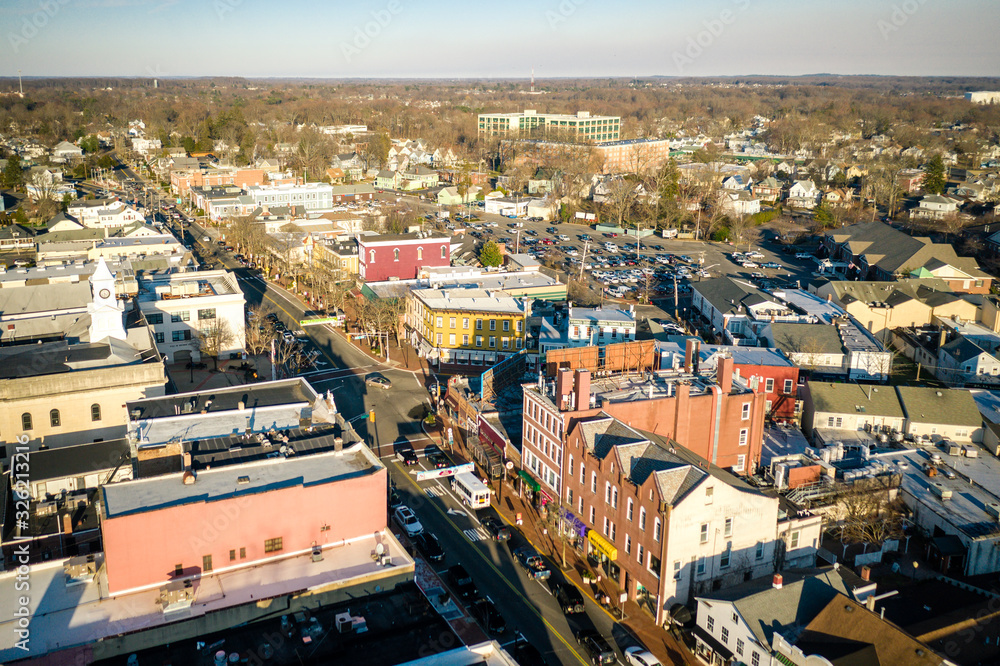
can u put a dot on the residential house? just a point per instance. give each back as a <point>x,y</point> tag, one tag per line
<point>768,189</point>
<point>418,178</point>
<point>586,327</point>
<point>910,180</point>
<point>103,213</point>
<point>935,207</point>
<point>389,180</point>
<point>449,196</point>
<point>738,202</point>
<point>803,194</point>
<point>15,238</point>
<point>831,409</point>
<point>737,181</point>
<point>941,413</point>
<point>65,151</point>
<point>735,309</point>
<point>840,349</point>
<point>838,197</point>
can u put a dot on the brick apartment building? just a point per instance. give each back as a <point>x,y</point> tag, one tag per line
<point>401,256</point>
<point>715,415</point>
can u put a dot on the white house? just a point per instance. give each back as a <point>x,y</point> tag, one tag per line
<point>739,202</point>
<point>507,206</point>
<point>804,194</point>
<point>103,213</point>
<point>585,327</point>
<point>935,207</point>
<point>849,407</point>
<point>737,308</point>
<point>941,413</point>
<point>146,147</point>
<point>179,305</point>
<point>65,151</point>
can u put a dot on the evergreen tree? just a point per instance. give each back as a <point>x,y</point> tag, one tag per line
<point>934,176</point>
<point>489,254</point>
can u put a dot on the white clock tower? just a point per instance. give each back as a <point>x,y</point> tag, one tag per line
<point>106,311</point>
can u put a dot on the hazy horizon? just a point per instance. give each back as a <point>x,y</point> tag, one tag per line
<point>559,39</point>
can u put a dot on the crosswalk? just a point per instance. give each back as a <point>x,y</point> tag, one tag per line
<point>434,491</point>
<point>478,534</point>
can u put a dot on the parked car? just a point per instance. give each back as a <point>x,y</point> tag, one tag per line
<point>498,531</point>
<point>597,646</point>
<point>570,598</point>
<point>461,582</point>
<point>488,616</point>
<point>803,255</point>
<point>437,460</point>
<point>395,500</point>
<point>408,520</point>
<point>532,563</point>
<point>636,655</point>
<point>429,546</point>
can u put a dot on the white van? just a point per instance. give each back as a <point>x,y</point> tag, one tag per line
<point>471,490</point>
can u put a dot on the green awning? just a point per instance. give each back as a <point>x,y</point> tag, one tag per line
<point>528,481</point>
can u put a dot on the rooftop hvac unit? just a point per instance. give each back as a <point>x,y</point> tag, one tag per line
<point>175,596</point>
<point>938,489</point>
<point>993,508</point>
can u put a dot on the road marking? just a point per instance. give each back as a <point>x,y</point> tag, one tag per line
<point>517,591</point>
<point>434,492</point>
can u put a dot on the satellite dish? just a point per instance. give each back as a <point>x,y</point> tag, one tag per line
<point>380,549</point>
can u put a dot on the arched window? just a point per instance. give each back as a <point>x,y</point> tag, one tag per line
<point>54,418</point>
<point>395,254</point>
<point>420,253</point>
<point>26,421</point>
<point>444,249</point>
<point>95,412</point>
<point>372,255</point>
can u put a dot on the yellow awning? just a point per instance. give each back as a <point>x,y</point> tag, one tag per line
<point>603,545</point>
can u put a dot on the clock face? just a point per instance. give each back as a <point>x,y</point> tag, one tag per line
<point>104,293</point>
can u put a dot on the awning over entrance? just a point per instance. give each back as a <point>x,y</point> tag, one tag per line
<point>579,527</point>
<point>530,482</point>
<point>602,545</point>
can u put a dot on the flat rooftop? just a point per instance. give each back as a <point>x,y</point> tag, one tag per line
<point>230,481</point>
<point>473,300</point>
<point>265,394</point>
<point>66,616</point>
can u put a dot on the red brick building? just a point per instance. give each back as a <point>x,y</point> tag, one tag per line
<point>401,256</point>
<point>715,415</point>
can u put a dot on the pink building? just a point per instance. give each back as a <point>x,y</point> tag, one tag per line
<point>401,255</point>
<point>183,526</point>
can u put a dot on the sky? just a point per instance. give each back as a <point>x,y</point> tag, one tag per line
<point>451,39</point>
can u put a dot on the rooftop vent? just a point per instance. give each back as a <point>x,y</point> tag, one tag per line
<point>243,480</point>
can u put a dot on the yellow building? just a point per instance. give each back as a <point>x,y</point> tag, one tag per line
<point>465,327</point>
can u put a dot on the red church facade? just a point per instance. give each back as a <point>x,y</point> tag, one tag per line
<point>401,256</point>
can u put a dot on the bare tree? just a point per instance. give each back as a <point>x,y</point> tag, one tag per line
<point>868,513</point>
<point>259,332</point>
<point>215,337</point>
<point>622,196</point>
<point>744,230</point>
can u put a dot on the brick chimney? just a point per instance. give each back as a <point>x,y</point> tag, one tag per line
<point>67,523</point>
<point>724,374</point>
<point>776,581</point>
<point>691,347</point>
<point>564,386</point>
<point>582,389</point>
<point>866,573</point>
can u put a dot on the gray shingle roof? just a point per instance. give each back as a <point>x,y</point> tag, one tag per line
<point>924,404</point>
<point>852,398</point>
<point>806,338</point>
<point>727,295</point>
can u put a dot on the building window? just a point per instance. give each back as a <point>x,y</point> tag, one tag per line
<point>628,510</point>
<point>571,465</point>
<point>451,339</point>
<point>739,647</point>
<point>26,421</point>
<point>759,552</point>
<point>704,533</point>
<point>520,325</point>
<point>506,324</point>
<point>444,251</point>
<point>54,420</point>
<point>479,324</point>
<point>465,340</point>
<point>769,385</point>
<point>154,318</point>
<point>728,531</point>
<point>754,659</point>
<point>178,336</point>
<point>746,411</point>
<point>743,436</point>
<point>628,544</point>
<point>709,494</point>
<point>569,496</point>
<point>465,323</point>
<point>656,529</point>
<point>795,539</point>
<point>452,322</point>
<point>273,545</point>
<point>788,386</point>
<point>479,341</point>
<point>506,343</point>
<point>372,255</point>
<point>206,563</point>
<point>725,635</point>
<point>395,254</point>
<point>583,473</point>
<point>640,554</point>
<point>710,623</point>
<point>177,317</point>
<point>439,338</point>
<point>178,569</point>
<point>741,461</point>
<point>95,412</point>
<point>232,555</point>
<point>607,492</point>
<point>440,322</point>
<point>159,337</point>
<point>677,569</point>
<point>493,324</point>
<point>701,566</point>
<point>208,313</point>
<point>726,556</point>
<point>493,342</point>
<point>593,514</point>
<point>593,482</point>
<point>642,518</point>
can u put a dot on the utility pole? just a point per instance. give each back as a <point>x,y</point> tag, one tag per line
<point>583,259</point>
<point>20,86</point>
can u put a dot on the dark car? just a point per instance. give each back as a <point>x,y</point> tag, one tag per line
<point>532,563</point>
<point>429,546</point>
<point>438,460</point>
<point>498,531</point>
<point>406,455</point>
<point>487,615</point>
<point>461,582</point>
<point>526,654</point>
<point>598,647</point>
<point>570,598</point>
<point>394,500</point>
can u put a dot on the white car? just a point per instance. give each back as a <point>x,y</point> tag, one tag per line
<point>637,655</point>
<point>749,264</point>
<point>408,520</point>
<point>803,255</point>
